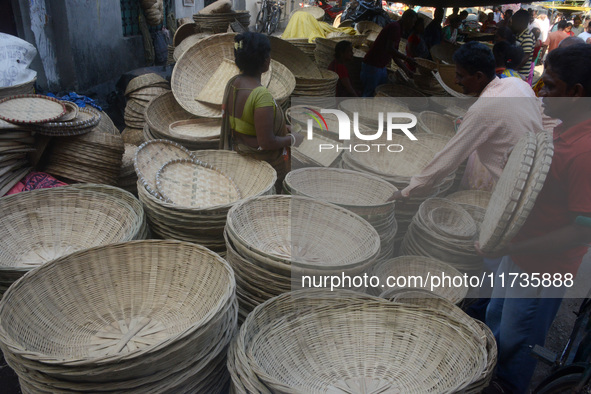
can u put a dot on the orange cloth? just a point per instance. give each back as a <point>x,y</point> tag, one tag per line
<point>554,39</point>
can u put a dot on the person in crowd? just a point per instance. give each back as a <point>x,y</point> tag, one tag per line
<point>343,53</point>
<point>450,32</point>
<point>586,35</point>
<point>489,26</point>
<point>490,128</point>
<point>507,58</point>
<point>577,26</point>
<point>253,124</point>
<point>569,29</point>
<point>568,41</point>
<point>505,34</point>
<point>498,15</point>
<point>416,45</point>
<point>525,40</point>
<point>384,50</point>
<point>506,22</point>
<point>434,32</point>
<point>544,24</point>
<point>556,37</point>
<point>549,243</point>
<point>538,44</point>
<point>455,12</point>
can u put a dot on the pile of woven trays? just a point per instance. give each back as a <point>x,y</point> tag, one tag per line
<point>474,202</point>
<point>395,167</point>
<point>440,305</point>
<point>134,317</point>
<point>216,17</point>
<point>16,90</point>
<point>94,157</point>
<point>187,196</point>
<point>166,119</point>
<point>361,193</point>
<point>444,230</point>
<point>273,242</point>
<point>202,72</point>
<point>42,225</point>
<point>515,193</point>
<point>139,92</point>
<point>406,270</point>
<point>324,55</point>
<point>304,45</point>
<point>344,341</point>
<point>16,142</point>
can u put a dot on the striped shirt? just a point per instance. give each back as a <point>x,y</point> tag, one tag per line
<point>527,43</point>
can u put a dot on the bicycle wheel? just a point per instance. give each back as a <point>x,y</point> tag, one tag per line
<point>261,21</point>
<point>563,384</point>
<point>274,20</point>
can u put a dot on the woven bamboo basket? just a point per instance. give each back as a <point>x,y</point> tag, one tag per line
<point>184,31</point>
<point>94,157</point>
<point>199,63</point>
<point>446,76</point>
<point>425,66</point>
<point>447,219</point>
<point>287,228</point>
<point>188,43</point>
<point>304,45</point>
<point>369,109</point>
<point>434,142</point>
<point>312,335</point>
<point>218,23</point>
<point>423,267</point>
<point>443,52</point>
<point>132,136</point>
<point>293,58</point>
<point>478,198</point>
<point>364,27</point>
<point>412,98</point>
<point>129,330</point>
<point>434,123</point>
<point>16,90</point>
<point>360,193</point>
<point>164,111</point>
<point>205,226</point>
<point>45,224</point>
<point>322,87</point>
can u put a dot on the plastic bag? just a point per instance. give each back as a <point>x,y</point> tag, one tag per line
<point>15,57</point>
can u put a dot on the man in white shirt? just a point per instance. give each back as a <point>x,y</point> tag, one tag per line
<point>498,16</point>
<point>586,35</point>
<point>577,26</point>
<point>544,26</point>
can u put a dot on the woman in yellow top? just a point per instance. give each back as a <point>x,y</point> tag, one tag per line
<point>253,124</point>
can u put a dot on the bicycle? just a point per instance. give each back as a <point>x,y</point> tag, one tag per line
<point>269,16</point>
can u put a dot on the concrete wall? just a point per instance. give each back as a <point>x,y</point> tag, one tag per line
<point>80,42</point>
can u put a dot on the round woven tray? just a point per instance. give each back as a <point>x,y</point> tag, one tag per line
<point>196,129</point>
<point>184,31</point>
<point>287,229</point>
<point>425,66</point>
<point>190,183</point>
<point>151,156</point>
<point>129,329</point>
<point>188,43</point>
<point>198,65</point>
<point>435,123</point>
<point>71,112</point>
<point>478,198</point>
<point>446,76</point>
<point>31,108</point>
<point>419,266</point>
<point>507,193</point>
<point>533,186</point>
<point>416,335</point>
<point>144,81</point>
<point>85,120</point>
